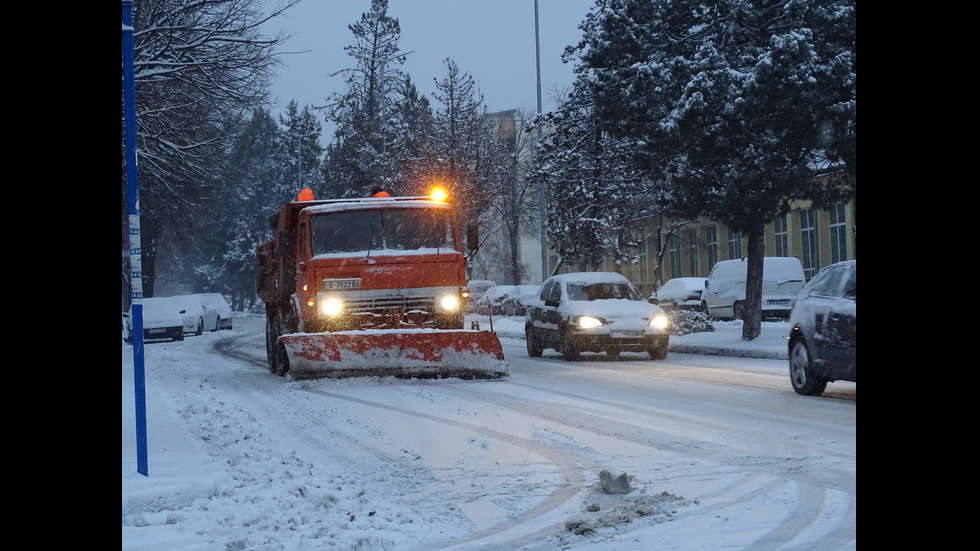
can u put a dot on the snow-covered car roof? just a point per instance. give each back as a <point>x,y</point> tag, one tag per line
<point>216,302</point>
<point>160,312</point>
<point>680,288</point>
<point>521,293</point>
<point>609,308</point>
<point>588,278</point>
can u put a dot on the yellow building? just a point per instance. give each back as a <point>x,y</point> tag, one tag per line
<point>818,237</point>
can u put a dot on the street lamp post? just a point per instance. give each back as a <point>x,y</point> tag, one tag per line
<point>542,212</point>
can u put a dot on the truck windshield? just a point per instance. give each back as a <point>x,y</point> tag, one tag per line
<point>379,230</point>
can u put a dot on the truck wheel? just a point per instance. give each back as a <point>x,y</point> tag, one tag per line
<point>271,337</point>
<point>285,322</point>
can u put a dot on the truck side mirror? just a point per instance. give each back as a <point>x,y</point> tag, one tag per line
<point>472,237</point>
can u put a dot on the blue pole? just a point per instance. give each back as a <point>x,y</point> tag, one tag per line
<point>135,251</point>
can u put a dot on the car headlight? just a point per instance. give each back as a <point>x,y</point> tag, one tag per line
<point>659,321</point>
<point>331,307</point>
<point>588,322</point>
<point>449,303</point>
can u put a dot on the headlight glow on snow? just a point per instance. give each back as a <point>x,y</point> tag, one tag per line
<point>659,322</point>
<point>331,307</point>
<point>587,322</point>
<point>449,302</point>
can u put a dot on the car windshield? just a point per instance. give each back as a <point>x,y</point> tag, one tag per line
<point>602,291</point>
<point>363,230</point>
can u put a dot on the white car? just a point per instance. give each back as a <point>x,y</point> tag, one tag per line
<point>216,303</point>
<point>196,317</point>
<point>161,321</point>
<point>507,300</point>
<point>594,312</point>
<point>477,289</point>
<point>680,293</point>
<point>724,292</point>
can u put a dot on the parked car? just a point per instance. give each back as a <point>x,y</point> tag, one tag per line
<point>823,330</point>
<point>507,300</point>
<point>680,293</point>
<point>161,321</point>
<point>196,317</point>
<point>724,291</point>
<point>216,302</point>
<point>477,289</point>
<point>594,312</point>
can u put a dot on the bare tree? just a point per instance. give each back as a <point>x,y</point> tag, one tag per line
<point>199,70</point>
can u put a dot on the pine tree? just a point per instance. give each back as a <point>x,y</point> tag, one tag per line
<point>596,194</point>
<point>469,159</point>
<point>299,148</point>
<point>359,157</point>
<point>728,101</point>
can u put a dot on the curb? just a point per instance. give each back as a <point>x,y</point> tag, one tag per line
<point>734,352</point>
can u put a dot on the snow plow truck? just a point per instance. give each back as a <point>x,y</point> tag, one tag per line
<point>371,287</point>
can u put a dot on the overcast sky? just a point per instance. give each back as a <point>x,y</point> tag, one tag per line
<point>492,40</point>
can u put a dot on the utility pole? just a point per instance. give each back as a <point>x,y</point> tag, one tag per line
<point>542,210</point>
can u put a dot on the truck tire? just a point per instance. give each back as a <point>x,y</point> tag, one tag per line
<point>285,322</point>
<point>271,337</point>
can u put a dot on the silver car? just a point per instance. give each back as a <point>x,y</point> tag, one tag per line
<point>594,312</point>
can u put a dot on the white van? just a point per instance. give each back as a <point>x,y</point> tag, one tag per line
<point>724,290</point>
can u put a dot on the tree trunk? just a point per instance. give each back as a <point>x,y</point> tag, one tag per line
<point>752,317</point>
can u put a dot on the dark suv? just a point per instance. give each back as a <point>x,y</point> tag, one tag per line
<point>823,330</point>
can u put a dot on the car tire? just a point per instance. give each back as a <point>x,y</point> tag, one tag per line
<point>801,374</point>
<point>657,352</point>
<point>533,349</point>
<point>200,327</point>
<point>704,308</point>
<point>569,351</point>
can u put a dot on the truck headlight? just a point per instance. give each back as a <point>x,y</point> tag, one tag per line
<point>659,321</point>
<point>331,307</point>
<point>449,303</point>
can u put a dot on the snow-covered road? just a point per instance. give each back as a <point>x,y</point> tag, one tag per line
<point>719,453</point>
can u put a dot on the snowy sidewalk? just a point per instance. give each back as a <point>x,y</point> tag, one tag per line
<point>725,340</point>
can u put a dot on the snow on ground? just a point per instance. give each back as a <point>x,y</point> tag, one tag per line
<point>225,476</point>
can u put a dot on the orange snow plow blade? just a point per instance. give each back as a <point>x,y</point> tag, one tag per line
<point>407,354</point>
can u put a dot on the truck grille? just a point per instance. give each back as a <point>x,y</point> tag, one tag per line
<point>342,275</point>
<point>385,305</point>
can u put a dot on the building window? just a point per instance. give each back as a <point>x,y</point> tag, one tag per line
<point>674,248</point>
<point>808,236</point>
<point>734,245</point>
<point>692,237</point>
<point>782,235</point>
<point>711,243</point>
<point>838,233</point>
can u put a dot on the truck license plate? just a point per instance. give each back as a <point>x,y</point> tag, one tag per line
<point>335,284</point>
